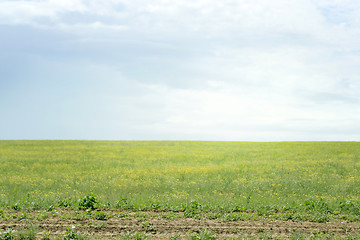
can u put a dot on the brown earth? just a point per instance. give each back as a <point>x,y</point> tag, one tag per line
<point>160,228</point>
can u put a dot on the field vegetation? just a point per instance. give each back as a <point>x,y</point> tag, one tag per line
<point>226,181</point>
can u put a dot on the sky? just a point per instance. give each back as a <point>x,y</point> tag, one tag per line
<point>229,70</point>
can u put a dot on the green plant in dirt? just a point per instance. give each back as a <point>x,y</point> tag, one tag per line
<point>265,235</point>
<point>265,211</point>
<point>297,236</point>
<point>148,227</point>
<point>29,232</point>
<point>320,217</point>
<point>124,203</point>
<point>66,202</point>
<point>16,206</point>
<point>24,215</point>
<point>100,215</point>
<point>89,201</point>
<point>351,207</point>
<point>133,235</point>
<point>192,209</point>
<point>45,236</point>
<point>203,234</point>
<point>213,215</point>
<point>175,237</point>
<point>139,236</point>
<point>71,233</point>
<point>167,215</point>
<point>321,235</point>
<point>352,237</point>
<point>142,216</point>
<point>42,216</point>
<point>4,215</point>
<point>51,208</point>
<point>76,215</point>
<point>156,205</point>
<point>8,234</point>
<point>317,205</point>
<point>123,215</point>
<point>234,216</point>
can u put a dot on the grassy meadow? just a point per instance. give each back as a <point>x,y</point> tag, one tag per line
<point>177,175</point>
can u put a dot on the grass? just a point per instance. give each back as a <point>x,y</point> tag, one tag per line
<point>300,180</point>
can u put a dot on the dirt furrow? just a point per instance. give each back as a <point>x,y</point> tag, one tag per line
<point>163,228</point>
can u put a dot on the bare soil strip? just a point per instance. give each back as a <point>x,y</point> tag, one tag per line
<point>163,228</point>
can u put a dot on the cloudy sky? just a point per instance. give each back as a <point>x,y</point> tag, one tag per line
<point>243,70</point>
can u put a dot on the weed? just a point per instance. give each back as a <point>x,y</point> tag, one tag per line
<point>317,205</point>
<point>16,206</point>
<point>203,234</point>
<point>213,215</point>
<point>123,215</point>
<point>124,203</point>
<point>175,237</point>
<point>77,215</point>
<point>24,215</point>
<point>34,206</point>
<point>192,209</point>
<point>51,208</point>
<point>28,232</point>
<point>9,234</point>
<point>89,201</point>
<point>168,215</point>
<point>320,217</point>
<point>142,216</point>
<point>156,205</point>
<point>265,211</point>
<point>71,233</point>
<point>100,215</point>
<point>66,202</point>
<point>265,235</point>
<point>297,236</point>
<point>42,216</point>
<point>352,237</point>
<point>233,217</point>
<point>148,227</point>
<point>134,236</point>
<point>349,207</point>
<point>45,236</point>
<point>321,235</point>
<point>4,215</point>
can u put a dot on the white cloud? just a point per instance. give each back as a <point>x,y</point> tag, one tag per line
<point>232,113</point>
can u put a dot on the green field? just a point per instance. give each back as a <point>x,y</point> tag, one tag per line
<point>218,176</point>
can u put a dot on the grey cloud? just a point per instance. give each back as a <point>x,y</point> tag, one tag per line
<point>25,40</point>
<point>166,62</point>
